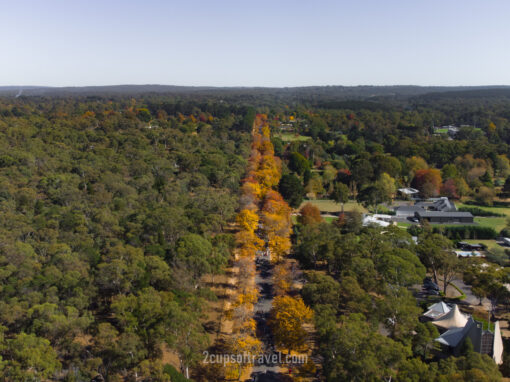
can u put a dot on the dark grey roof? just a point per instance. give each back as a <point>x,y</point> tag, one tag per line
<point>441,214</point>
<point>454,337</point>
<point>439,204</point>
<point>409,208</point>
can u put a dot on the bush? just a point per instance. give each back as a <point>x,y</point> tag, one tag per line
<point>175,376</point>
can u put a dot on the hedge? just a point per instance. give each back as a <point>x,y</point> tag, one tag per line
<point>477,211</point>
<point>467,232</point>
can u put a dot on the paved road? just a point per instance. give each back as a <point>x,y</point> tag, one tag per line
<point>471,299</point>
<point>266,372</point>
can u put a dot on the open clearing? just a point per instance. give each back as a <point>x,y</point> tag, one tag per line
<point>291,137</point>
<point>328,205</point>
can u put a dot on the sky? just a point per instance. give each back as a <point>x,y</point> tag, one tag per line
<point>254,43</point>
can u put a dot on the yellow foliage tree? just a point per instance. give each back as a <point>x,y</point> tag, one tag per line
<point>248,220</point>
<point>289,315</point>
<point>279,247</point>
<point>245,349</point>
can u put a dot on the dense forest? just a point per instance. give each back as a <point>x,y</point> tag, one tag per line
<point>116,203</point>
<point>111,213</point>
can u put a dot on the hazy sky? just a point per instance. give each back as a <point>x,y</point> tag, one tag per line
<point>254,43</point>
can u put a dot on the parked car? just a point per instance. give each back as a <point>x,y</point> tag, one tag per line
<point>430,285</point>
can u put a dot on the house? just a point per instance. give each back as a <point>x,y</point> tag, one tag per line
<point>444,217</point>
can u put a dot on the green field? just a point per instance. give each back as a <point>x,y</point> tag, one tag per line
<point>328,205</point>
<point>291,137</point>
<point>497,223</point>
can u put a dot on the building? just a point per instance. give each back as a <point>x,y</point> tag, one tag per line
<point>436,311</point>
<point>470,247</point>
<point>408,192</point>
<point>434,210</point>
<point>452,319</point>
<point>456,327</point>
<point>442,204</point>
<point>484,341</point>
<point>373,220</point>
<point>406,211</point>
<point>444,217</point>
<point>468,254</point>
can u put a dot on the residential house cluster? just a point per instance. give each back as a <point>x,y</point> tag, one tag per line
<point>434,210</point>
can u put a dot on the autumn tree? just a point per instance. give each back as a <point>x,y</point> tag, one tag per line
<point>428,182</point>
<point>288,317</point>
<point>309,214</point>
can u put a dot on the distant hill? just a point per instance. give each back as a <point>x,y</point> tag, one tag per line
<point>310,94</point>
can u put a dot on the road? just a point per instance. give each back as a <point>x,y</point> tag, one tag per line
<point>267,372</point>
<point>471,299</point>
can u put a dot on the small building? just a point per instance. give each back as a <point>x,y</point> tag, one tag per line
<point>383,217</point>
<point>470,247</point>
<point>372,220</point>
<point>436,311</point>
<point>468,254</point>
<point>444,217</point>
<point>408,192</point>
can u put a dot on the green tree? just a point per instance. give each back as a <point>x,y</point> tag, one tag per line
<point>291,189</point>
<point>298,163</point>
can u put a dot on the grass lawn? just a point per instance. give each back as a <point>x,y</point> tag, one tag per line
<point>497,223</point>
<point>329,219</point>
<point>441,131</point>
<point>328,205</point>
<point>291,137</point>
<point>404,225</point>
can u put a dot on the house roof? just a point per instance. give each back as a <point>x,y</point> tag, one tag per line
<point>453,319</point>
<point>453,337</point>
<point>408,190</point>
<point>408,208</point>
<point>441,214</point>
<point>437,310</point>
<point>468,254</point>
<point>370,220</point>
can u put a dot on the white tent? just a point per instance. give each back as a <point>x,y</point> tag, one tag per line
<point>436,311</point>
<point>453,319</point>
<point>497,346</point>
